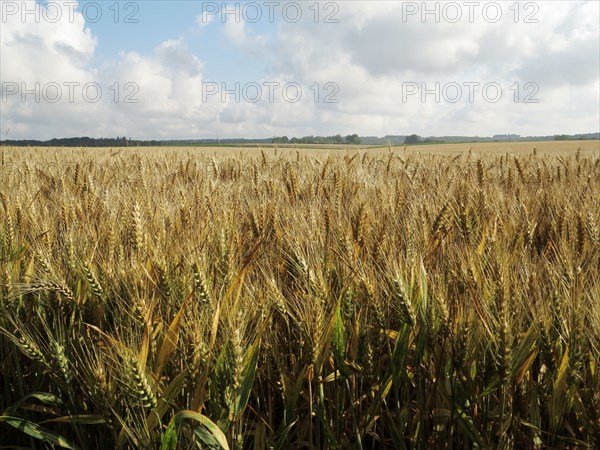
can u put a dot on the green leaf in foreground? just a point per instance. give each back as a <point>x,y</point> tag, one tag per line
<point>248,374</point>
<point>38,432</point>
<point>208,431</point>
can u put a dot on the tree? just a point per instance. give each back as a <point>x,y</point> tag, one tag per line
<point>353,139</point>
<point>412,139</point>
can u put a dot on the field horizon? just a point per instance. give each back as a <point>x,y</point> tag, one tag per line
<point>560,148</point>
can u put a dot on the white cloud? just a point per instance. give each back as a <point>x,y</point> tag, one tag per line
<point>236,31</point>
<point>140,95</point>
<point>370,54</point>
<point>44,51</point>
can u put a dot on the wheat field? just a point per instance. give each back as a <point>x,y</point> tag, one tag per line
<point>422,297</point>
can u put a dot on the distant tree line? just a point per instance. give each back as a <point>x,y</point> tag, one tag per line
<point>416,139</point>
<point>125,142</point>
<point>353,139</point>
<point>570,137</point>
<point>78,142</point>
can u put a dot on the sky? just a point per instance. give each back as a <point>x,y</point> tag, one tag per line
<point>198,69</point>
